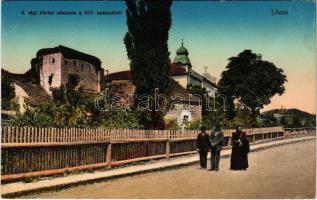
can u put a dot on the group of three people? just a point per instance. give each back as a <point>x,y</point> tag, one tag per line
<point>215,141</point>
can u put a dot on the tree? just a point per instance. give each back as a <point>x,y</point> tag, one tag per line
<point>148,24</point>
<point>251,81</point>
<point>296,122</point>
<point>7,94</point>
<point>283,121</point>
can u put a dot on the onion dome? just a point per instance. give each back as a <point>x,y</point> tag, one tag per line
<point>181,56</point>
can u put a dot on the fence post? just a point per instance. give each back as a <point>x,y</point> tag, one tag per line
<point>108,156</point>
<point>168,145</point>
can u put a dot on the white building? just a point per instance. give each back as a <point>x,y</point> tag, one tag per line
<point>190,77</point>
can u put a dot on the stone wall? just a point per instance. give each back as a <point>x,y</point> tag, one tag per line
<point>50,71</point>
<point>89,77</point>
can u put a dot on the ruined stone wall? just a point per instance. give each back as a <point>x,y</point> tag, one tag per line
<point>89,78</point>
<point>50,71</point>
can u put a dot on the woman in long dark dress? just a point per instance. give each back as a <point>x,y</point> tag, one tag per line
<point>240,150</point>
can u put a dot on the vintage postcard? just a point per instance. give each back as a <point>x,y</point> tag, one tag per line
<point>158,99</point>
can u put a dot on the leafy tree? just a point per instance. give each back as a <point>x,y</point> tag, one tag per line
<point>283,121</point>
<point>242,117</point>
<point>251,81</point>
<point>193,125</point>
<point>7,95</point>
<point>146,42</point>
<point>296,122</point>
<point>212,109</point>
<point>171,124</point>
<point>7,90</point>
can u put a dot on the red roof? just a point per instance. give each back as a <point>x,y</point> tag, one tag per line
<point>175,70</point>
<point>123,75</point>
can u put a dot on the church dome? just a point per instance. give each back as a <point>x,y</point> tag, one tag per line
<point>182,51</point>
<point>181,56</point>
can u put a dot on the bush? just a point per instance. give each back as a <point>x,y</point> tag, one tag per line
<point>193,125</point>
<point>171,124</point>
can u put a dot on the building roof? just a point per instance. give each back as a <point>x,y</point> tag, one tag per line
<point>124,91</point>
<point>26,77</point>
<point>177,92</point>
<point>175,70</point>
<point>181,59</point>
<point>122,75</point>
<point>201,78</point>
<point>182,50</point>
<point>35,92</point>
<point>71,54</point>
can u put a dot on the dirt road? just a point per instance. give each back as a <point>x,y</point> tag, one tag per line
<point>281,172</point>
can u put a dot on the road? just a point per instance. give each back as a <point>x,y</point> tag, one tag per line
<point>280,172</point>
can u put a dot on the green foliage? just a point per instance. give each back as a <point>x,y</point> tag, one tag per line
<point>296,122</point>
<point>147,49</point>
<point>288,118</point>
<point>7,95</point>
<point>251,81</point>
<point>193,125</point>
<point>70,107</point>
<point>243,117</point>
<point>171,124</point>
<point>7,90</point>
<point>283,121</point>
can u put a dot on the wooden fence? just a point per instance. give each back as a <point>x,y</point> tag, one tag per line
<point>29,151</point>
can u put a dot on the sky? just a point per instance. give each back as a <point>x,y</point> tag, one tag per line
<point>213,31</point>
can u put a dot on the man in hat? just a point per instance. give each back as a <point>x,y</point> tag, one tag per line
<point>216,143</point>
<point>203,146</point>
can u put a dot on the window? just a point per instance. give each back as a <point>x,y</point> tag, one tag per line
<point>65,62</point>
<point>185,119</point>
<point>82,67</point>
<point>50,79</point>
<point>53,60</point>
<point>75,62</point>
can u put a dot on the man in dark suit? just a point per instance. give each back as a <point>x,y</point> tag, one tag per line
<point>216,143</point>
<point>203,146</point>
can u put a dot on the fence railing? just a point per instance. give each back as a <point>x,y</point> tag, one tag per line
<point>29,151</point>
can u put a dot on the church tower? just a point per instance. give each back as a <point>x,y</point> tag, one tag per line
<point>181,58</point>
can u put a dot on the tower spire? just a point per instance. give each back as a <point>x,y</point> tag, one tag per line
<point>182,42</point>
